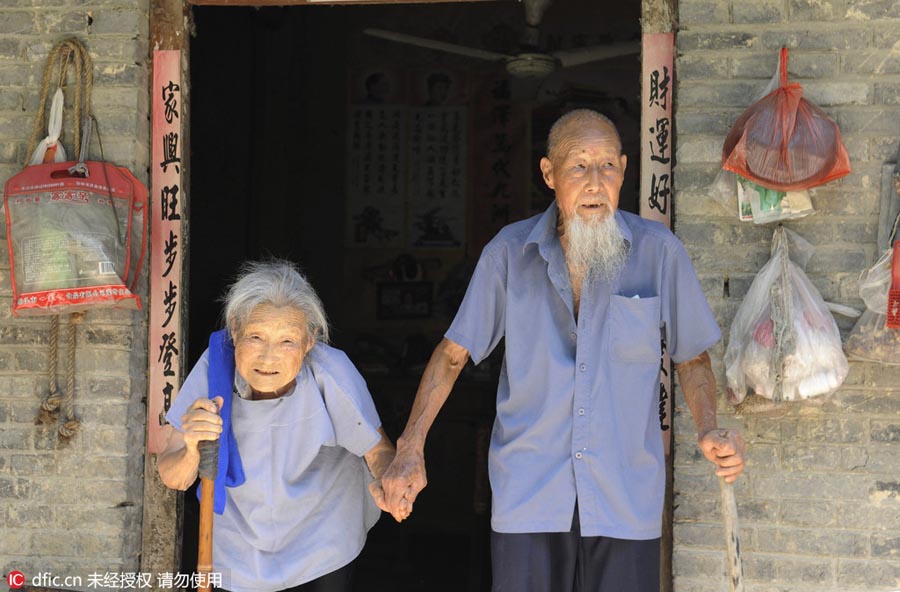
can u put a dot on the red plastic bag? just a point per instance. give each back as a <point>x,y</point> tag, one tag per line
<point>784,142</point>
<point>75,242</point>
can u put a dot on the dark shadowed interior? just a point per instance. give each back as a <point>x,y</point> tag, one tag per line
<point>277,96</point>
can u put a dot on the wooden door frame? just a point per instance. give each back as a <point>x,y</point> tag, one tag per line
<point>658,39</point>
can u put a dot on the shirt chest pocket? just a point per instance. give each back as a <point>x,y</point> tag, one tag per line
<point>634,334</point>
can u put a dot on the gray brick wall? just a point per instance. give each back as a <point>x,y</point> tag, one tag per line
<point>820,502</point>
<point>73,509</point>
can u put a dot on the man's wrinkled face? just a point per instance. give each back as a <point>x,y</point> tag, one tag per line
<point>270,350</point>
<point>586,171</point>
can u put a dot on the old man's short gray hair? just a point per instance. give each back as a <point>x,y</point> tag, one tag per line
<point>578,117</point>
<point>278,283</point>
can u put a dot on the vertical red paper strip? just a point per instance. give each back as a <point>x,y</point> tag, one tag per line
<point>166,247</point>
<point>657,87</point>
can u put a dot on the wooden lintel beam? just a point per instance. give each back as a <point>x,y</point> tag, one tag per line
<point>317,2</point>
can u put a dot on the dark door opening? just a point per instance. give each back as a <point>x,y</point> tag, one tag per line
<point>277,99</point>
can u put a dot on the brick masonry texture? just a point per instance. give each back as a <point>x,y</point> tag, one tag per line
<point>819,502</point>
<point>73,509</point>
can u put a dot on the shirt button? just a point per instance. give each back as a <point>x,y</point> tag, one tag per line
<point>574,335</point>
<point>583,367</point>
<point>578,455</point>
<point>581,411</point>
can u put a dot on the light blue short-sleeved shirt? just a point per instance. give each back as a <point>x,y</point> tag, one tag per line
<point>304,509</point>
<point>578,403</point>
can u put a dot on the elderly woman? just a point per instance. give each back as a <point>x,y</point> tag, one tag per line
<point>300,439</point>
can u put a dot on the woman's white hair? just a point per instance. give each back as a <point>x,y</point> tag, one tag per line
<point>278,283</point>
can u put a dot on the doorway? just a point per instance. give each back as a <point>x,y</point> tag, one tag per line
<point>279,101</point>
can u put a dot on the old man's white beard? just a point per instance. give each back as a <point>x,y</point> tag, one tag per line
<point>595,248</point>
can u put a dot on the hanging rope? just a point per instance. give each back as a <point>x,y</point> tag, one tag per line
<point>70,423</point>
<point>67,52</point>
<point>50,403</point>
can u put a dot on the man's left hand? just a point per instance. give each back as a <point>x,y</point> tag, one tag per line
<point>724,448</point>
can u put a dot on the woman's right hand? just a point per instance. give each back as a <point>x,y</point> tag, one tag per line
<point>403,481</point>
<point>201,422</point>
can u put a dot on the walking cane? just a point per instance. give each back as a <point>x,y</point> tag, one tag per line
<point>732,537</point>
<point>209,467</point>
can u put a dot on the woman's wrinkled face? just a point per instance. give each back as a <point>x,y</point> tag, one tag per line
<point>270,350</point>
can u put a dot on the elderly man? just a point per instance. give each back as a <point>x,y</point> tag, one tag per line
<point>581,293</point>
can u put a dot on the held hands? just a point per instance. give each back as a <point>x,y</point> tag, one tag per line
<point>376,489</point>
<point>201,422</point>
<point>725,449</point>
<point>402,482</point>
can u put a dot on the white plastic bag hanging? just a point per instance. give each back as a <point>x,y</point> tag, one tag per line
<point>784,344</point>
<point>50,149</point>
<point>875,282</point>
<point>871,340</point>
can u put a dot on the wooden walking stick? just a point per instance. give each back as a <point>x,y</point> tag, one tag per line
<point>732,537</point>
<point>209,467</point>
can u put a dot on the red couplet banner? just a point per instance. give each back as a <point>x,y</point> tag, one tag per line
<point>166,247</point>
<point>657,86</point>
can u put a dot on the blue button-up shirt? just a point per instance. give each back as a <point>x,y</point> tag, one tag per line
<point>578,402</point>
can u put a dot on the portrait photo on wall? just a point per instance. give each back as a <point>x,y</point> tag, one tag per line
<point>377,86</point>
<point>376,157</point>
<point>442,87</point>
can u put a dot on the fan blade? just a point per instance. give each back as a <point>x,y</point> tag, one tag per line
<point>437,45</point>
<point>576,57</point>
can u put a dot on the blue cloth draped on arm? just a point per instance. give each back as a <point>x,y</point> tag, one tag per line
<point>221,383</point>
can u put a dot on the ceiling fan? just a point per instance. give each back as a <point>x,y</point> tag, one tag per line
<point>530,62</point>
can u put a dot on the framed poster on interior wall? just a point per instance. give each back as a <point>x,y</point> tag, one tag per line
<point>407,147</point>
